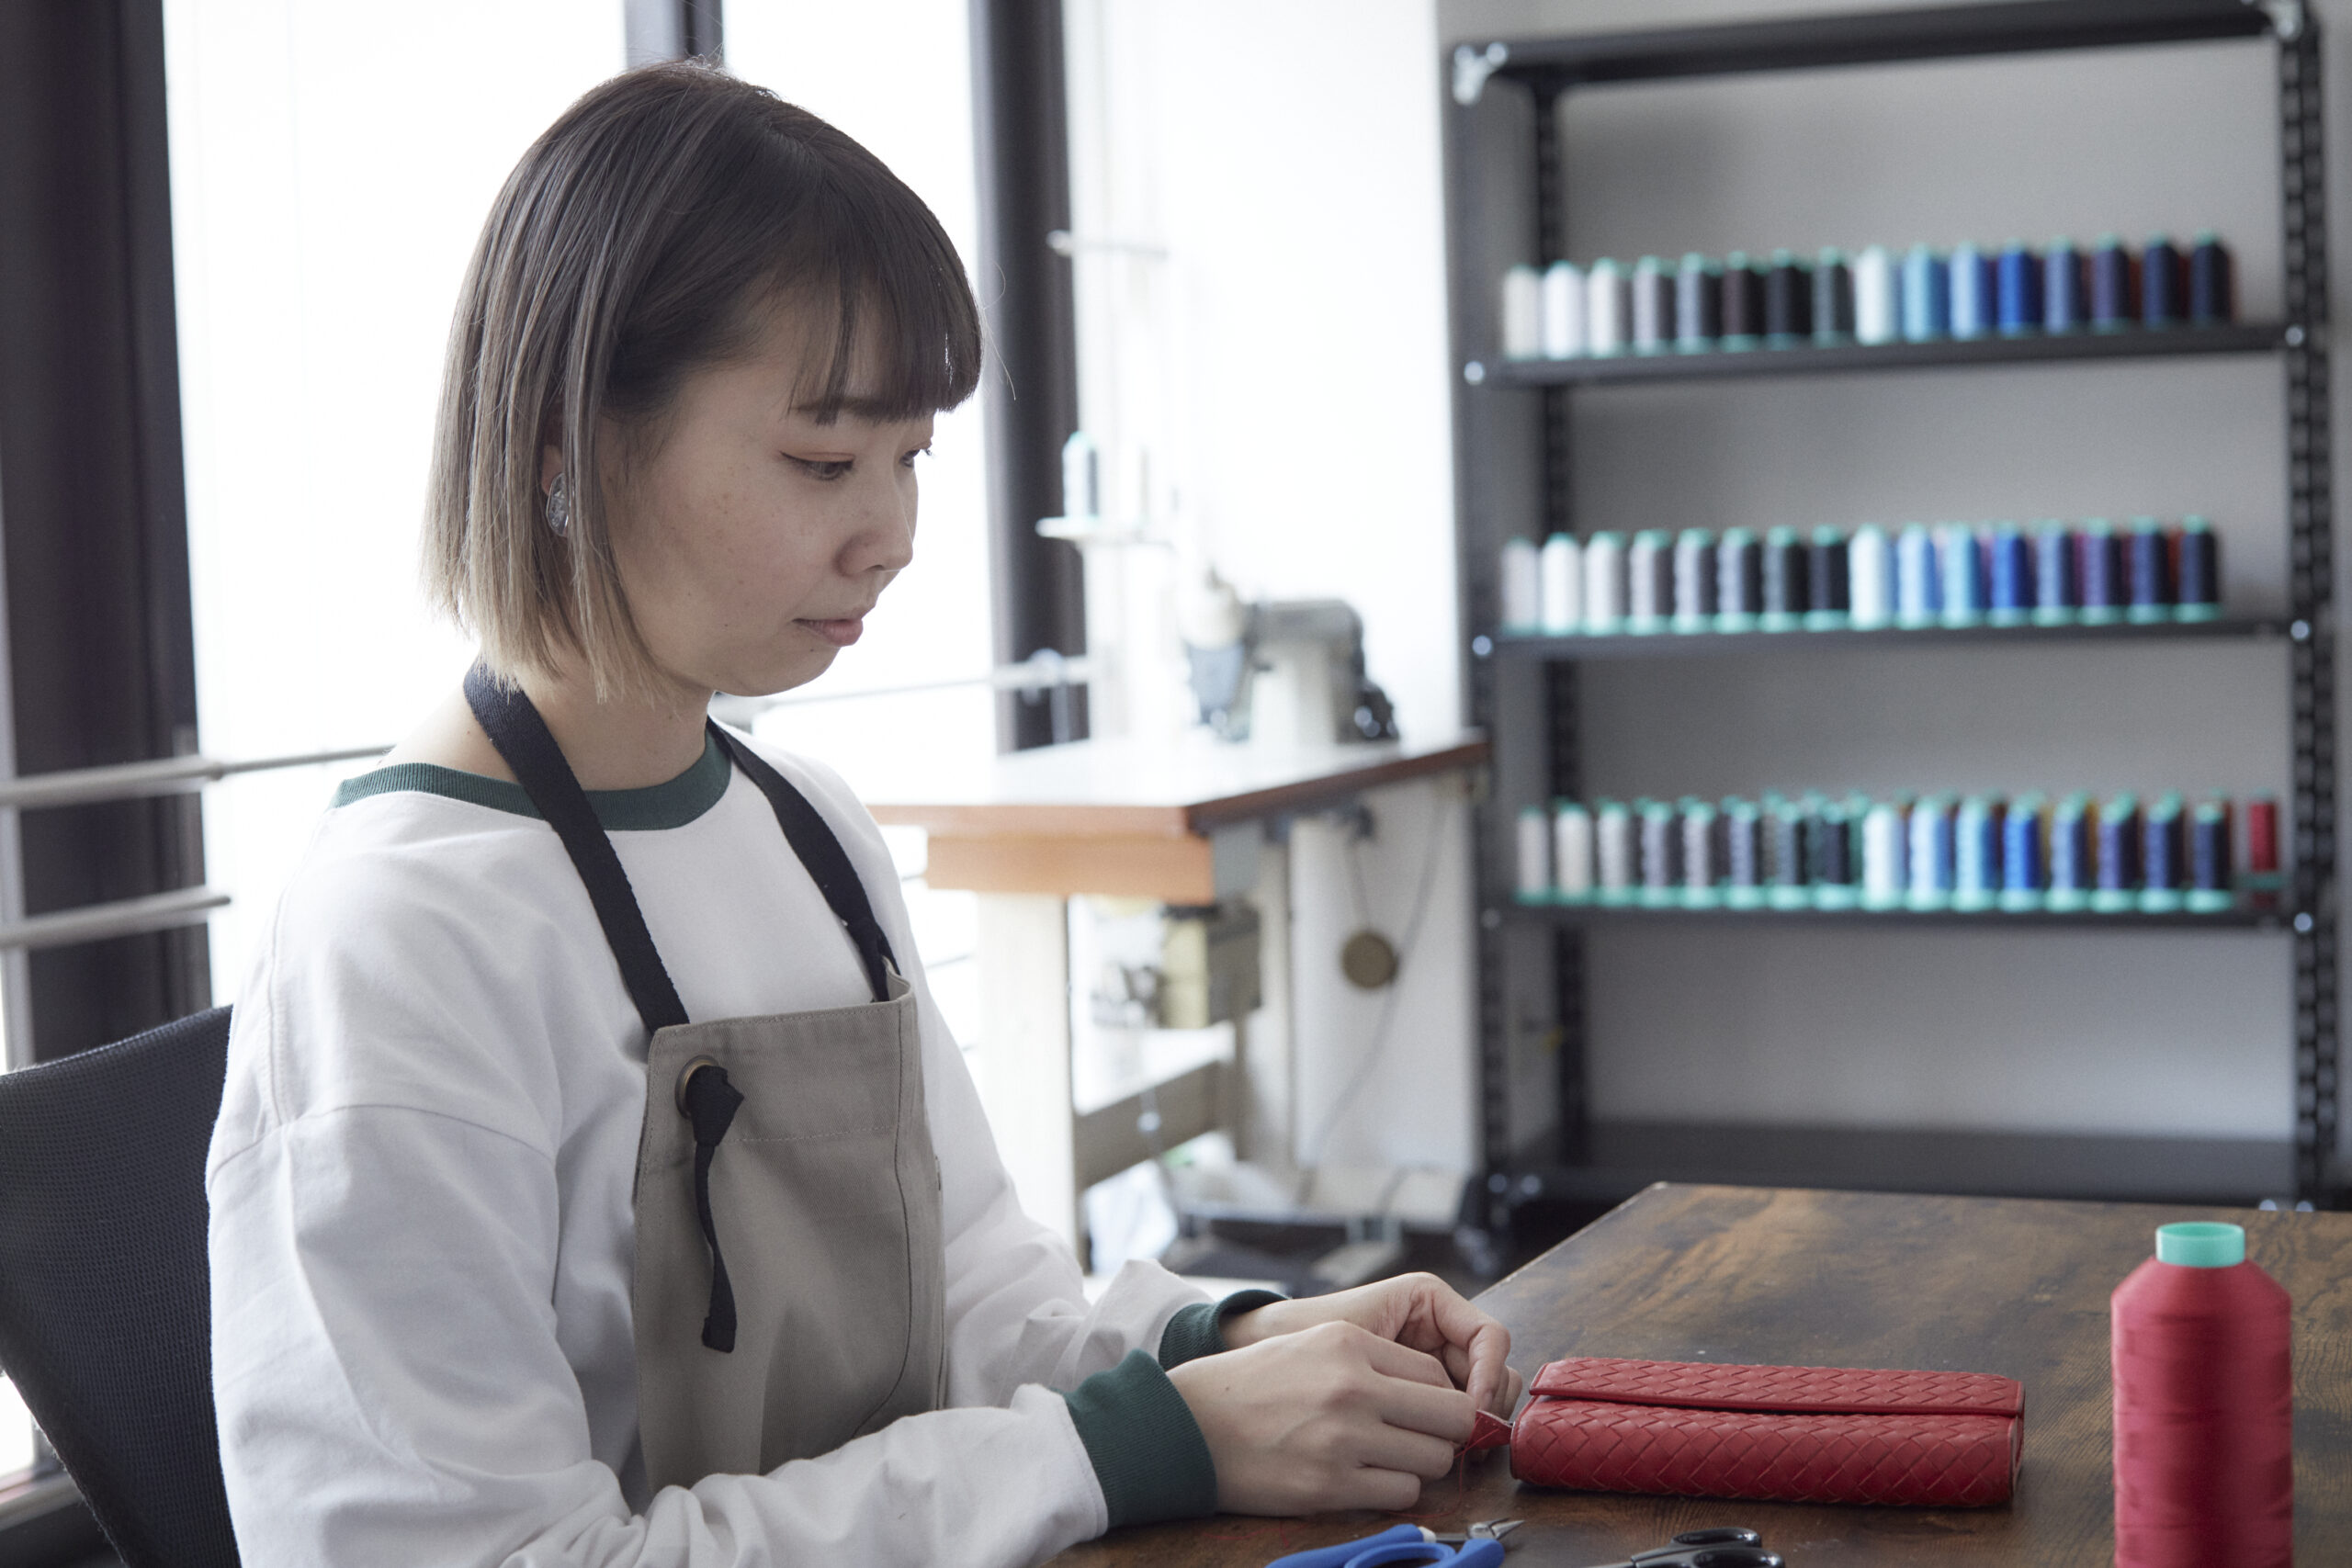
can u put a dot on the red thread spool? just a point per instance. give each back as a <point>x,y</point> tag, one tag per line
<point>2204,1408</point>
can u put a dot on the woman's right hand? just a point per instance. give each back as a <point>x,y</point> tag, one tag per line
<point>1330,1418</point>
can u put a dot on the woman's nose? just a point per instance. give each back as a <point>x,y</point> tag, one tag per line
<point>885,539</point>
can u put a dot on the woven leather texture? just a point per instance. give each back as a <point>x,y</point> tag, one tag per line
<point>1713,1386</point>
<point>1820,1450</point>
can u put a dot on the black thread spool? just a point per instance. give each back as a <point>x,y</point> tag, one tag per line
<point>1833,847</point>
<point>1743,303</point>
<point>1788,300</point>
<point>1787,592</point>
<point>2161,284</point>
<point>1833,299</point>
<point>2213,288</point>
<point>2198,571</point>
<point>1829,602</point>
<point>2209,850</point>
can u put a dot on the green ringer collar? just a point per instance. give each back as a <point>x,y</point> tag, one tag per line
<point>670,804</point>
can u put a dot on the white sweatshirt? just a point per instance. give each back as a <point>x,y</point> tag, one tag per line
<point>421,1234</point>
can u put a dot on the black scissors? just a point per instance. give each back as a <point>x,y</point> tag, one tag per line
<point>1725,1546</point>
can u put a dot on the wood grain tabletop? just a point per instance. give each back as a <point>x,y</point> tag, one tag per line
<point>1858,1280</point>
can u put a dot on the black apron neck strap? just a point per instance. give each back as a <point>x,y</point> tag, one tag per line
<point>521,736</point>
<point>828,864</point>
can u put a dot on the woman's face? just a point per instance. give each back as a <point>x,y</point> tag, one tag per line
<point>752,540</point>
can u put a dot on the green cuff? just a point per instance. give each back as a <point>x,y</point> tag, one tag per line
<point>1146,1449</point>
<point>1198,1330</point>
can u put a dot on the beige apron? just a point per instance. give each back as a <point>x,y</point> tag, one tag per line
<point>790,1289</point>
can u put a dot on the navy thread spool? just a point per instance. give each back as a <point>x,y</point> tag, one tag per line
<point>1833,297</point>
<point>1972,288</point>
<point>2160,857</point>
<point>2213,285</point>
<point>1743,854</point>
<point>1926,295</point>
<point>1653,306</point>
<point>1650,581</point>
<point>1694,580</point>
<point>1787,593</point>
<point>2020,287</point>
<point>1789,864</point>
<point>2098,577</point>
<point>1739,580</point>
<point>2010,599</point>
<point>2197,576</point>
<point>2161,284</point>
<point>1830,607</point>
<point>2115,295</point>
<point>1976,854</point>
<point>1613,852</point>
<point>1836,867</point>
<point>1661,854</point>
<point>1930,859</point>
<point>2053,575</point>
<point>2148,559</point>
<point>2118,888</point>
<point>1743,302</point>
<point>2211,877</point>
<point>1698,304</point>
<point>1961,571</point>
<point>1788,301</point>
<point>2023,874</point>
<point>2066,304</point>
<point>2070,866</point>
<point>1700,864</point>
<point>1918,595</point>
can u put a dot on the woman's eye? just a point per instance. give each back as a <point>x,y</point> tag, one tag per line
<point>820,468</point>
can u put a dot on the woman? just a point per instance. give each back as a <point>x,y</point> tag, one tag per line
<point>596,1181</point>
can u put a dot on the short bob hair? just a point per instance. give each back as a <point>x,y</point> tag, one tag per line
<point>644,236</point>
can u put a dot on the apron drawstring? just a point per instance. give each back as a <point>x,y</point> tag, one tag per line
<point>710,1101</point>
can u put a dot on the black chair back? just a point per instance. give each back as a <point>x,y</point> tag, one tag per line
<point>105,1316</point>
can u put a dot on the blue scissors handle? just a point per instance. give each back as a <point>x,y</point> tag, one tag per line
<point>1340,1556</point>
<point>1405,1544</point>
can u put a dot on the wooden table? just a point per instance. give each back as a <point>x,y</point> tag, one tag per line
<point>1845,1279</point>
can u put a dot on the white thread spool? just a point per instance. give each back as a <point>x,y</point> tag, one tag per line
<point>1612,844</point>
<point>1878,296</point>
<point>1653,292</point>
<point>1523,587</point>
<point>1571,851</point>
<point>1604,583</point>
<point>1534,855</point>
<point>1523,313</point>
<point>1563,310</point>
<point>1883,856</point>
<point>1607,305</point>
<point>1562,571</point>
<point>1869,577</point>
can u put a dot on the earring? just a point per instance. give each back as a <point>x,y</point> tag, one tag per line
<point>559,508</point>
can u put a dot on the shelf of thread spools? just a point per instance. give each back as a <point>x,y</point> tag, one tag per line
<point>1657,590</point>
<point>1985,859</point>
<point>1661,320</point>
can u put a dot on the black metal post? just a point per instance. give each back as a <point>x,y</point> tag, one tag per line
<point>673,29</point>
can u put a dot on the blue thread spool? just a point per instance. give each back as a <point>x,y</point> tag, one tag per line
<point>2148,559</point>
<point>2010,599</point>
<point>1739,580</point>
<point>2115,295</point>
<point>1661,840</point>
<point>2021,283</point>
<point>2024,875</point>
<point>1788,301</point>
<point>1878,296</point>
<point>1830,604</point>
<point>1884,834</point>
<point>1833,297</point>
<point>1653,285</point>
<point>1698,304</point>
<point>1694,580</point>
<point>1744,857</point>
<point>2211,877</point>
<point>2198,580</point>
<point>1918,593</point>
<point>1701,870</point>
<point>2099,574</point>
<point>1869,578</point>
<point>1787,593</point>
<point>2161,858</point>
<point>1835,862</point>
<point>1960,566</point>
<point>2072,871</point>
<point>2066,288</point>
<point>1926,295</point>
<point>2212,288</point>
<point>1970,283</point>
<point>1930,858</point>
<point>1976,854</point>
<point>2117,886</point>
<point>1789,829</point>
<point>1650,581</point>
<point>2163,285</point>
<point>2054,574</point>
<point>1743,293</point>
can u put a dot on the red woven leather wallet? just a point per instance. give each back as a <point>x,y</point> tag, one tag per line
<point>1778,1434</point>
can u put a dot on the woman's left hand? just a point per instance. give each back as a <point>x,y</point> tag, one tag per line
<point>1420,1311</point>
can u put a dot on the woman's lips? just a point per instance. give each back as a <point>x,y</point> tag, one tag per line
<point>842,633</point>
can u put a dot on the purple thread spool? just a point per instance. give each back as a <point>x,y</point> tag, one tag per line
<point>2053,575</point>
<point>2020,289</point>
<point>2163,285</point>
<point>2099,573</point>
<point>2064,305</point>
<point>2115,296</point>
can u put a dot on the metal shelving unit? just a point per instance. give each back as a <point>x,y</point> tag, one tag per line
<point>1513,453</point>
